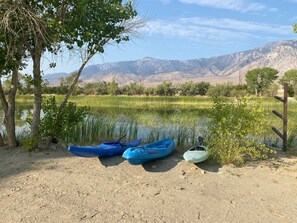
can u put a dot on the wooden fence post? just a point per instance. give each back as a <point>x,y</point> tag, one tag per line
<point>284,117</point>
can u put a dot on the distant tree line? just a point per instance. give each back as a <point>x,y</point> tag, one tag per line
<point>259,82</point>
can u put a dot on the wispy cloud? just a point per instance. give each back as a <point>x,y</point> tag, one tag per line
<point>236,5</point>
<point>216,31</point>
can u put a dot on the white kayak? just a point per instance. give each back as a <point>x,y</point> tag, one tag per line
<point>196,154</point>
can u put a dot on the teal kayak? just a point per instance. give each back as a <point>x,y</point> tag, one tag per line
<point>142,154</point>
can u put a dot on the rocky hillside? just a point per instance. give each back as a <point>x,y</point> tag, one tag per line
<point>232,67</point>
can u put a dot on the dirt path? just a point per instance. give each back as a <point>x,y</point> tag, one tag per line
<point>53,186</point>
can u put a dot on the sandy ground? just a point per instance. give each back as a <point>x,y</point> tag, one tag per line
<point>54,186</point>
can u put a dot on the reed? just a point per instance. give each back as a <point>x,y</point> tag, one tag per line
<point>154,118</point>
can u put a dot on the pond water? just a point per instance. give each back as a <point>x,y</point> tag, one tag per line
<point>108,123</point>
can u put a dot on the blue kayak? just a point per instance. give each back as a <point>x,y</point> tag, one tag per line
<point>156,150</point>
<point>104,149</point>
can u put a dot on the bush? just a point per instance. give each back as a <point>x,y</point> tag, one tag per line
<point>58,123</point>
<point>221,90</point>
<point>30,144</point>
<point>232,131</point>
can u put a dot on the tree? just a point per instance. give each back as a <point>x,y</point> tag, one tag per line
<point>295,28</point>
<point>187,88</point>
<point>26,26</point>
<point>201,88</point>
<point>12,52</point>
<point>133,89</point>
<point>290,77</point>
<point>36,26</point>
<point>224,89</point>
<point>112,21</point>
<point>113,88</point>
<point>149,91</point>
<point>165,89</point>
<point>259,79</point>
<point>190,88</point>
<point>65,83</point>
<point>26,84</point>
<point>101,88</point>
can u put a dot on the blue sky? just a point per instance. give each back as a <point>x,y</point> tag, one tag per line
<point>191,29</point>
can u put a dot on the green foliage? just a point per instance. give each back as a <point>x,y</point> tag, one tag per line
<point>104,22</point>
<point>133,89</point>
<point>191,89</point>
<point>113,88</point>
<point>271,90</point>
<point>259,79</point>
<point>232,132</point>
<point>97,88</point>
<point>150,91</point>
<point>30,143</point>
<point>295,28</point>
<point>179,116</point>
<point>26,84</point>
<point>165,89</point>
<point>227,90</point>
<point>58,123</point>
<point>290,77</point>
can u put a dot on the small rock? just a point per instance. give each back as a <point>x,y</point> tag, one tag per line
<point>203,172</point>
<point>179,188</point>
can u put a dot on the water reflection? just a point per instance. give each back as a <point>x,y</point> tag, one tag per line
<point>108,123</point>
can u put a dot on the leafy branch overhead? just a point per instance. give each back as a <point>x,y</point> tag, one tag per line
<point>30,28</point>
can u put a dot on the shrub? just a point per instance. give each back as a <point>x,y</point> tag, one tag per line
<point>58,123</point>
<point>232,132</point>
<point>30,144</point>
<point>221,90</point>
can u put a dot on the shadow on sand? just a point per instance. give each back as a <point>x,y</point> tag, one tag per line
<point>111,161</point>
<point>15,161</point>
<point>162,165</point>
<point>208,167</point>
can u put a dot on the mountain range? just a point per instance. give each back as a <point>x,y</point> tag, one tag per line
<point>281,55</point>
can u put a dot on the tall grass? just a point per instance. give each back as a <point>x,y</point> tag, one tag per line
<point>94,130</point>
<point>154,118</point>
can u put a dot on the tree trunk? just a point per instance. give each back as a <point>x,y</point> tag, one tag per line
<point>75,80</point>
<point>1,140</point>
<point>9,120</point>
<point>5,107</point>
<point>9,109</point>
<point>37,90</point>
